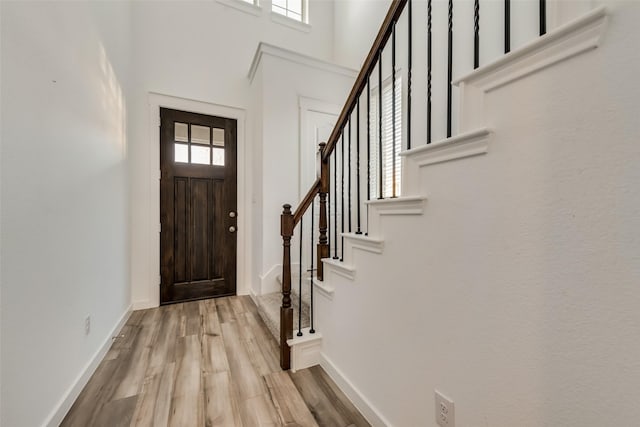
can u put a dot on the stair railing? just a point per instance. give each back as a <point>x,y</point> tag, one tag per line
<point>384,136</point>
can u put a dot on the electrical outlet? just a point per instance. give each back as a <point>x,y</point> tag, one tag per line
<point>87,325</point>
<point>445,413</point>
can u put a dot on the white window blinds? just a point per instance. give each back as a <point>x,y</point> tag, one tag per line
<point>389,140</point>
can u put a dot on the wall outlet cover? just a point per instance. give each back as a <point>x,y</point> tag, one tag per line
<point>445,413</point>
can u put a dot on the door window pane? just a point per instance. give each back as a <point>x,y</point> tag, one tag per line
<point>218,137</point>
<point>200,155</point>
<point>181,153</point>
<point>218,156</point>
<point>200,134</point>
<point>181,132</point>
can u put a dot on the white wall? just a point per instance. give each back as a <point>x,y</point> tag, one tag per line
<point>65,249</point>
<point>280,83</point>
<point>200,51</point>
<point>356,24</point>
<point>516,292</point>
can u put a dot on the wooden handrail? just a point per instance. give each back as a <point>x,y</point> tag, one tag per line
<point>320,187</point>
<point>306,202</point>
<point>367,68</point>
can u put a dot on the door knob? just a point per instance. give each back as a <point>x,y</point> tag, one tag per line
<point>232,214</point>
<point>232,229</point>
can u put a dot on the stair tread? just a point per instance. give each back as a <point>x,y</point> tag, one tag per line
<point>269,309</point>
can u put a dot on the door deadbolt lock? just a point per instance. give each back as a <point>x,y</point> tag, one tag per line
<point>232,214</point>
<point>232,229</point>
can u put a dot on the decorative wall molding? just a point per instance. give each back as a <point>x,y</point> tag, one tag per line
<point>404,205</point>
<point>299,58</point>
<point>457,147</point>
<point>341,268</point>
<point>324,288</point>
<point>580,35</point>
<point>305,350</point>
<point>366,243</point>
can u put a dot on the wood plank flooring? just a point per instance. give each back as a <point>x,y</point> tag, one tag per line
<point>205,363</point>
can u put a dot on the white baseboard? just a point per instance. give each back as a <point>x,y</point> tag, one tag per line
<point>57,415</point>
<point>365,407</point>
<point>269,280</point>
<point>142,305</point>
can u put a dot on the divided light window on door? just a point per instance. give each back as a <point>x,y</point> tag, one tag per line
<point>198,144</point>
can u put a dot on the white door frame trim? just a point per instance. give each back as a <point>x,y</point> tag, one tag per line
<point>307,105</point>
<point>155,102</point>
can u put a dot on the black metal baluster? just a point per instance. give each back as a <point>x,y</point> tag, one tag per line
<point>311,331</point>
<point>342,197</point>
<point>393,111</point>
<point>507,26</point>
<point>449,67</point>
<point>476,34</point>
<point>328,208</point>
<point>300,286</point>
<point>349,174</point>
<point>429,71</point>
<point>543,17</point>
<point>380,124</point>
<point>368,148</point>
<point>335,205</point>
<point>409,64</point>
<point>358,229</point>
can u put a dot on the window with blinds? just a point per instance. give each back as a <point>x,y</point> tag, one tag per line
<point>388,140</point>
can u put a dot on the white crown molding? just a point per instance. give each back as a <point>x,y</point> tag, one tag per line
<point>457,147</point>
<point>299,58</point>
<point>575,37</point>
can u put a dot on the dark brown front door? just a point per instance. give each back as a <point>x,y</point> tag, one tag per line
<point>197,206</point>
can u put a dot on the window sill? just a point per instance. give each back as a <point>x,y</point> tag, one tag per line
<point>289,22</point>
<point>242,6</point>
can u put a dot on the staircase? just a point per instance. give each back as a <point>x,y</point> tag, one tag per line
<point>364,225</point>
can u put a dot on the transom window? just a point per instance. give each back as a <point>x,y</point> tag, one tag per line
<point>201,145</point>
<point>294,9</point>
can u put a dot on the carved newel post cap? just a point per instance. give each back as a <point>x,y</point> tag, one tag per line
<point>287,208</point>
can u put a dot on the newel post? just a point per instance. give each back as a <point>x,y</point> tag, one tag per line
<point>323,243</point>
<point>286,311</point>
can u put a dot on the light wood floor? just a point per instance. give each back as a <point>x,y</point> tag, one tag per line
<point>205,363</point>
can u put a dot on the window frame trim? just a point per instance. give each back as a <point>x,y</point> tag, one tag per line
<point>303,25</point>
<point>254,8</point>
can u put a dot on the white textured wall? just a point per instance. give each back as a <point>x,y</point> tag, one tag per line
<point>281,83</point>
<point>64,194</point>
<point>200,51</point>
<point>516,293</point>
